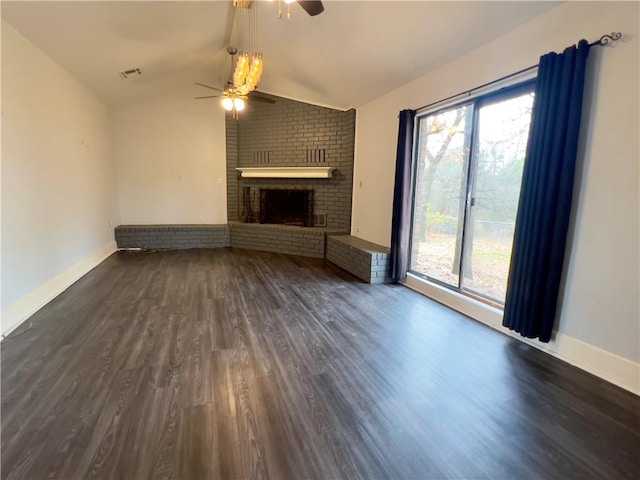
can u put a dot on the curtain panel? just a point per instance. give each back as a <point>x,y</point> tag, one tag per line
<point>544,208</point>
<point>401,217</point>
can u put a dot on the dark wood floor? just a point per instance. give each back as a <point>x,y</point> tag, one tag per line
<point>238,364</point>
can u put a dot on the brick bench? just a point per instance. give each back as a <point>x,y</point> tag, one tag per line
<point>160,237</point>
<point>365,260</point>
<point>304,241</point>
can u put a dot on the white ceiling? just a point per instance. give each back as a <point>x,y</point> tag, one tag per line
<point>349,55</point>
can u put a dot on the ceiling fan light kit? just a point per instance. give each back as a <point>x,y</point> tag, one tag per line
<point>248,66</point>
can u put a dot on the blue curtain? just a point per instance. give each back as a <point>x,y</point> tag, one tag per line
<point>401,218</point>
<point>542,221</point>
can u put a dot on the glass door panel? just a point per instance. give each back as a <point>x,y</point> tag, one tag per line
<point>499,151</point>
<point>444,140</point>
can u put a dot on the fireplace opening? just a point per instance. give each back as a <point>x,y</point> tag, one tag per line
<point>286,206</point>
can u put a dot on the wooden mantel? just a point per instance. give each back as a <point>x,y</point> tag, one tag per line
<point>286,172</point>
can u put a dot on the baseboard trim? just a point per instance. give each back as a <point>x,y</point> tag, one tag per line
<point>603,364</point>
<point>16,313</point>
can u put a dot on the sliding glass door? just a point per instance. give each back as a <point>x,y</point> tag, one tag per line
<point>444,140</point>
<point>469,160</point>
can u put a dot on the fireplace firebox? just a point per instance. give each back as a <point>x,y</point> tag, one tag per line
<point>286,206</point>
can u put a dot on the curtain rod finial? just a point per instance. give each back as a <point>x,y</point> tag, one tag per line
<point>611,37</point>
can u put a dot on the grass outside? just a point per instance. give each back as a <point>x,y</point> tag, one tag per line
<point>489,269</point>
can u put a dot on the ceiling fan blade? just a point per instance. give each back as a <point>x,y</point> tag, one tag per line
<point>207,86</point>
<point>209,96</point>
<point>312,7</point>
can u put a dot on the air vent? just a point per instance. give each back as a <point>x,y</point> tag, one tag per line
<point>261,157</point>
<point>129,73</point>
<point>316,155</point>
<point>319,219</point>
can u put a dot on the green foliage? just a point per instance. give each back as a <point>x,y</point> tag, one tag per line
<point>435,218</point>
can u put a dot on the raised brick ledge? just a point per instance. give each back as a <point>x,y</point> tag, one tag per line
<point>287,228</point>
<point>173,236</point>
<point>361,244</point>
<point>291,240</point>
<point>305,241</point>
<point>366,260</point>
<point>183,227</point>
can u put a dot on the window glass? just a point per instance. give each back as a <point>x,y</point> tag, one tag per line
<point>469,161</point>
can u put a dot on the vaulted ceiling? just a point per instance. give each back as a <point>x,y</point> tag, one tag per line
<point>349,55</point>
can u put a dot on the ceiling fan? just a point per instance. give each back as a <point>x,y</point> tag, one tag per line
<point>248,71</point>
<point>255,96</point>
<point>234,98</point>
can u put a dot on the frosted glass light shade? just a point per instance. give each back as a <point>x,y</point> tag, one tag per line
<point>227,104</point>
<point>239,104</point>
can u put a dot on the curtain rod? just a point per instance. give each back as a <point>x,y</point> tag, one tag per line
<point>605,39</point>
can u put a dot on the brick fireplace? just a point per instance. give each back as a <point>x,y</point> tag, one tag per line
<point>289,190</point>
<point>292,134</point>
<point>295,189</point>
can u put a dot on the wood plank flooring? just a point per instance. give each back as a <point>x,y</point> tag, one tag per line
<point>201,364</point>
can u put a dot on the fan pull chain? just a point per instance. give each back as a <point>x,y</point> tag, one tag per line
<point>280,10</point>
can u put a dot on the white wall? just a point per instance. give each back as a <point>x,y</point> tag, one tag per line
<point>600,304</point>
<point>171,160</point>
<point>58,183</point>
